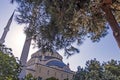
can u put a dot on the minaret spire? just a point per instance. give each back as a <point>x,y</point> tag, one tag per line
<point>6,29</point>
<point>24,56</point>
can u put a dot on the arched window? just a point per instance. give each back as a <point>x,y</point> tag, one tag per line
<point>61,75</point>
<point>40,70</point>
<point>48,72</point>
<point>67,75</point>
<point>55,73</point>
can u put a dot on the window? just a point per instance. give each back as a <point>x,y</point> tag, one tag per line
<point>39,70</point>
<point>61,75</point>
<point>48,72</point>
<point>67,75</point>
<point>55,73</point>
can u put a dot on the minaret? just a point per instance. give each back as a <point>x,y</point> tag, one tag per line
<point>6,29</point>
<point>24,56</point>
<point>26,46</point>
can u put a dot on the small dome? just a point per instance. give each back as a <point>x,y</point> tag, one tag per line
<point>56,63</point>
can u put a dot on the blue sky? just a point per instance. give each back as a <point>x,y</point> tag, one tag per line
<point>105,50</point>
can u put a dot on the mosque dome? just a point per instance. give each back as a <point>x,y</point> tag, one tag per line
<point>56,63</point>
<point>47,55</point>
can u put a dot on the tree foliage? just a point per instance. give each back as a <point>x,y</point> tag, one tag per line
<point>94,70</point>
<point>51,78</point>
<point>57,24</point>
<point>9,67</point>
<point>5,50</point>
<point>39,27</point>
<point>81,17</point>
<point>29,77</point>
<point>74,20</point>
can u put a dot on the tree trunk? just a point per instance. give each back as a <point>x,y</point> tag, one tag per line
<point>113,23</point>
<point>24,56</point>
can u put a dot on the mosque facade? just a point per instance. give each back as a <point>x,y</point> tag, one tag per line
<point>46,65</point>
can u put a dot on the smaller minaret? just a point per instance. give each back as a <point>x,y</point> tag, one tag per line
<point>6,29</point>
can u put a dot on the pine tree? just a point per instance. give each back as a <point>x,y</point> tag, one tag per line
<point>77,19</point>
<point>70,21</point>
<point>94,70</point>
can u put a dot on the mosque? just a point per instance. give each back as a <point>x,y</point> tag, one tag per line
<point>48,65</point>
<point>41,65</point>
